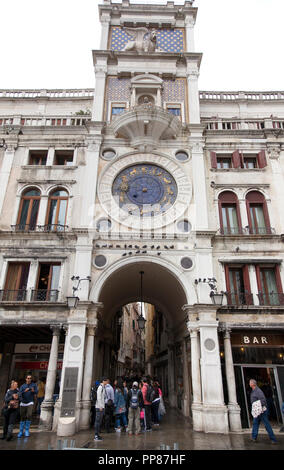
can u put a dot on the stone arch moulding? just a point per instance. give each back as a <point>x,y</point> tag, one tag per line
<point>184,190</point>
<point>181,277</point>
<point>262,191</point>
<point>29,186</point>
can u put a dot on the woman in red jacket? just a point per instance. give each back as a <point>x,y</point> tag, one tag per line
<point>147,404</point>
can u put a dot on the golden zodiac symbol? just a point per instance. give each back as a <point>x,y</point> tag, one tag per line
<point>167,181</point>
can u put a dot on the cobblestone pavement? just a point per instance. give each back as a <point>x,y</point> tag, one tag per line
<point>173,429</point>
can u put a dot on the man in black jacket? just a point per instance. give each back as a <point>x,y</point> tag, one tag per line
<point>257,394</point>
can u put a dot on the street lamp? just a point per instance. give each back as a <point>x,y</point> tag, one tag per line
<point>217,297</point>
<point>141,320</point>
<point>72,301</point>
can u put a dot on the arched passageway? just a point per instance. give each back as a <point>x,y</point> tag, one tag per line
<point>169,357</point>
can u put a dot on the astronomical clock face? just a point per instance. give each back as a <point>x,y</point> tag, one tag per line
<point>144,190</point>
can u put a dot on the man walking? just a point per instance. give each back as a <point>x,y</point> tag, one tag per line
<point>100,407</point>
<point>257,394</point>
<point>135,403</point>
<point>27,394</point>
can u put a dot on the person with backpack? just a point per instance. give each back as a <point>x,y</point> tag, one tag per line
<point>148,395</point>
<point>135,403</point>
<point>100,408</point>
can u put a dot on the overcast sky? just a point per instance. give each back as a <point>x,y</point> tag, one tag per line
<point>48,44</point>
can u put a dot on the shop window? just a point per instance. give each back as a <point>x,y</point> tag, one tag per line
<point>64,157</point>
<point>16,282</point>
<point>57,210</point>
<point>28,211</point>
<point>258,217</point>
<point>238,285</point>
<point>229,213</point>
<point>37,157</point>
<point>269,285</point>
<point>47,283</point>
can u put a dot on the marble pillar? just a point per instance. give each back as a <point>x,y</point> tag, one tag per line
<point>196,379</point>
<point>87,380</point>
<point>47,404</point>
<point>233,407</point>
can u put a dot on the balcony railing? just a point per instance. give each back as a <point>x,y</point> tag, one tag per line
<point>272,298</point>
<point>39,228</point>
<point>239,298</point>
<point>21,295</point>
<point>226,231</point>
<point>7,295</point>
<point>44,295</point>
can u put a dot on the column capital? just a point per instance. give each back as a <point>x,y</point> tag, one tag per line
<point>227,333</point>
<point>55,329</point>
<point>92,329</point>
<point>193,329</point>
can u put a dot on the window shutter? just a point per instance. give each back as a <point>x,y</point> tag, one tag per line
<point>248,297</point>
<point>236,159</point>
<point>213,159</point>
<point>261,159</point>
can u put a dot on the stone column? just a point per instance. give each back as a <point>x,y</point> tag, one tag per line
<point>189,27</point>
<point>73,369</point>
<point>47,404</point>
<point>87,380</point>
<point>195,377</point>
<point>186,396</point>
<point>101,73</point>
<point>105,32</point>
<point>233,407</point>
<point>11,143</point>
<point>57,406</point>
<point>193,93</point>
<point>171,373</point>
<point>85,218</point>
<point>200,185</point>
<point>215,412</point>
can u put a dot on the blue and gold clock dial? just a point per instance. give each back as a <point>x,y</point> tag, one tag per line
<point>144,190</point>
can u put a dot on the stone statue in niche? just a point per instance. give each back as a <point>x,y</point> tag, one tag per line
<point>142,40</point>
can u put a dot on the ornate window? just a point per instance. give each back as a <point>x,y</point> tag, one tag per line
<point>57,210</point>
<point>258,217</point>
<point>28,211</point>
<point>229,213</point>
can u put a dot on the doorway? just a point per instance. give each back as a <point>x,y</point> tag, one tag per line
<point>270,379</point>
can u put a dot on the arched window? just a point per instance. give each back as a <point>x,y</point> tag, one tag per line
<point>57,210</point>
<point>258,217</point>
<point>28,210</point>
<point>229,213</point>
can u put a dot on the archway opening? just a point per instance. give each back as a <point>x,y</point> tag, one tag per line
<point>161,350</point>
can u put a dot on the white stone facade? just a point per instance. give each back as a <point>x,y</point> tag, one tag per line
<point>68,146</point>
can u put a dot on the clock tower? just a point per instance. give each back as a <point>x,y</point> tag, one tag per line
<point>145,199</point>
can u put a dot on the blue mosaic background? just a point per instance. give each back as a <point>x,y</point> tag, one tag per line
<point>168,40</point>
